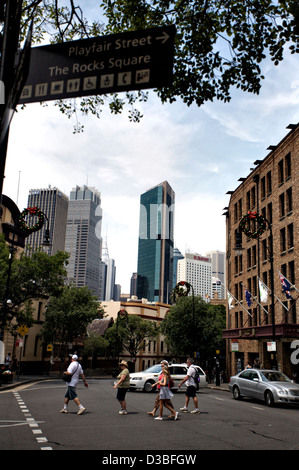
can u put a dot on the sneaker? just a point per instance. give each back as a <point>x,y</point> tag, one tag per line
<point>81,410</point>
<point>195,412</point>
<point>123,412</point>
<point>176,416</point>
<point>64,410</point>
<point>158,418</point>
<point>184,409</point>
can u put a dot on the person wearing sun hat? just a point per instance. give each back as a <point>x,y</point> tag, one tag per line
<point>122,385</point>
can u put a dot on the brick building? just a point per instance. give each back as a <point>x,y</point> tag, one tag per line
<point>270,190</point>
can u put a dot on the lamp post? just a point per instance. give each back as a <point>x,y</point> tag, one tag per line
<point>262,225</point>
<point>179,291</point>
<point>123,314</point>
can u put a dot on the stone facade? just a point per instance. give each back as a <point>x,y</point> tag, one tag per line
<point>271,190</point>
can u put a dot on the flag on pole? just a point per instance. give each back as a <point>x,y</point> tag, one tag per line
<point>263,292</point>
<point>286,286</point>
<point>248,297</point>
<point>230,300</point>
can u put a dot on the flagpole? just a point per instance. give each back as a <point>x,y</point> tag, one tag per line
<point>286,308</point>
<point>238,302</point>
<point>291,285</point>
<point>255,300</point>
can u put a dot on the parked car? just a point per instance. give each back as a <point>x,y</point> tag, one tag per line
<point>144,380</point>
<point>271,386</point>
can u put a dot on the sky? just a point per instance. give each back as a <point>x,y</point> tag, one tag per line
<point>201,152</point>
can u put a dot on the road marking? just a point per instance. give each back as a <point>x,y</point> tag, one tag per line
<point>258,408</point>
<point>219,399</point>
<point>31,422</point>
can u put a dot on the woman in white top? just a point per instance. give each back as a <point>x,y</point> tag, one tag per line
<point>165,394</point>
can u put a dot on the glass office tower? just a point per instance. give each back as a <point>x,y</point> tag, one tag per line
<point>155,247</point>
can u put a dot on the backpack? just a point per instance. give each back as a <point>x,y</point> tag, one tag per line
<point>196,377</point>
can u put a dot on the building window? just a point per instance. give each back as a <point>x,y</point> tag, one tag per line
<point>248,207</point>
<point>263,187</point>
<point>280,172</point>
<point>269,183</point>
<point>283,240</point>
<point>289,201</point>
<point>249,258</point>
<point>281,205</point>
<point>253,198</point>
<point>288,168</point>
<point>290,236</point>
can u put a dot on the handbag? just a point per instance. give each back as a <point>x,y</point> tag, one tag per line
<point>68,377</point>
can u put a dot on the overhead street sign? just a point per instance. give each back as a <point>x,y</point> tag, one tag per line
<point>106,64</point>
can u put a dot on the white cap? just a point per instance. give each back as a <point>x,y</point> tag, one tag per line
<point>75,357</point>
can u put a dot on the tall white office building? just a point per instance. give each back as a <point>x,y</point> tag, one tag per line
<point>197,270</point>
<point>54,204</point>
<point>83,238</point>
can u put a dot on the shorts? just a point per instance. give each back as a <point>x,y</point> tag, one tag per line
<point>71,393</point>
<point>121,394</point>
<point>191,391</point>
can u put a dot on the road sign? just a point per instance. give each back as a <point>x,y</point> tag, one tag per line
<point>22,330</point>
<point>105,64</point>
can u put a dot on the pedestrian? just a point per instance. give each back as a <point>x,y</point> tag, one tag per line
<point>165,394</point>
<point>8,361</point>
<point>191,388</point>
<point>122,385</point>
<point>76,371</point>
<point>157,400</point>
<point>248,366</point>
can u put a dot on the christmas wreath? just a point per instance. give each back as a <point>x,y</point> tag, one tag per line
<point>182,289</point>
<point>32,211</point>
<point>260,224</point>
<point>122,313</point>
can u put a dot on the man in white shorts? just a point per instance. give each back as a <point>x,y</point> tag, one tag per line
<point>75,370</point>
<point>191,388</point>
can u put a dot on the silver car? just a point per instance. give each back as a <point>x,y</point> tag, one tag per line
<point>271,386</point>
<point>144,380</point>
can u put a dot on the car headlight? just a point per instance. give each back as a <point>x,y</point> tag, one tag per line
<point>136,378</point>
<point>282,391</point>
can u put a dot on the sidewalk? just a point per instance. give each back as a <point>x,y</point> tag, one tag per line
<point>222,386</point>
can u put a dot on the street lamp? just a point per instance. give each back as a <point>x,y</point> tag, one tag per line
<point>260,225</point>
<point>182,289</point>
<point>122,314</point>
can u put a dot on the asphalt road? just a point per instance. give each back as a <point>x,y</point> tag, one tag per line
<point>30,420</point>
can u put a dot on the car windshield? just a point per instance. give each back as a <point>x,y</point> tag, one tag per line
<point>154,369</point>
<point>274,376</point>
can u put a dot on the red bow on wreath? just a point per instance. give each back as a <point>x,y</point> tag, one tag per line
<point>32,210</point>
<point>252,215</point>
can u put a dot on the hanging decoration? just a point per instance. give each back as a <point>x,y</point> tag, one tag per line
<point>34,212</point>
<point>259,224</point>
<point>182,289</point>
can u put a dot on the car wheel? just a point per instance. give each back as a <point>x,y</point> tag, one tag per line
<point>236,393</point>
<point>148,386</point>
<point>269,400</point>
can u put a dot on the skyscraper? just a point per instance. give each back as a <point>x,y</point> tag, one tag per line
<point>83,238</point>
<point>54,204</point>
<point>155,247</point>
<point>197,270</point>
<point>177,255</point>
